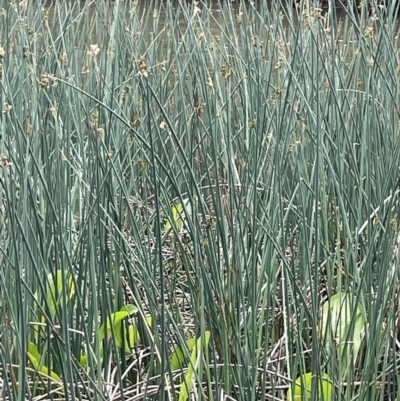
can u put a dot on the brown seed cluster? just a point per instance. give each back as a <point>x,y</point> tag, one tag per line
<point>4,162</point>
<point>225,71</point>
<point>7,107</point>
<point>93,51</point>
<point>142,66</point>
<point>48,79</point>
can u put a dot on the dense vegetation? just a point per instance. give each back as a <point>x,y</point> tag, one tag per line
<point>199,201</point>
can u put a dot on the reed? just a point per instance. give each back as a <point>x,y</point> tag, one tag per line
<point>183,186</point>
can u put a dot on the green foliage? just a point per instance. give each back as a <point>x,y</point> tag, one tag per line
<point>303,388</point>
<point>194,365</point>
<point>113,325</point>
<point>38,363</point>
<point>56,287</point>
<point>343,323</point>
<point>179,358</point>
<point>114,321</point>
<point>263,137</point>
<point>177,216</point>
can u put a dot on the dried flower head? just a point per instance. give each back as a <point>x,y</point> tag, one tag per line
<point>369,32</point>
<point>47,79</point>
<point>225,71</point>
<point>63,58</point>
<point>142,66</point>
<point>7,107</point>
<point>93,51</point>
<point>196,9</point>
<point>5,162</point>
<point>26,53</point>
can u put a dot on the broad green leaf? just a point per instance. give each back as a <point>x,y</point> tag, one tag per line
<point>149,320</point>
<point>133,335</point>
<point>132,338</point>
<point>132,309</point>
<point>54,294</point>
<point>35,358</point>
<point>32,349</point>
<point>175,219</point>
<point>177,215</point>
<point>37,317</point>
<point>197,352</point>
<point>180,357</point>
<point>303,388</point>
<point>114,319</point>
<point>83,360</point>
<point>337,315</point>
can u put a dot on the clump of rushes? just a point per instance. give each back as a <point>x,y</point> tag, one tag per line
<point>183,185</point>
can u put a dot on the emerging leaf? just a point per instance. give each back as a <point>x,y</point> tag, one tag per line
<point>114,323</point>
<point>56,288</point>
<point>115,319</point>
<point>177,216</point>
<point>33,351</point>
<point>197,353</point>
<point>36,360</point>
<point>180,357</point>
<point>303,388</point>
<point>342,325</point>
